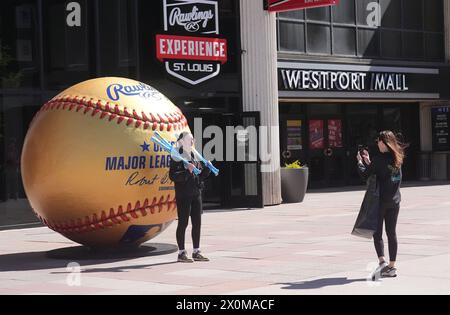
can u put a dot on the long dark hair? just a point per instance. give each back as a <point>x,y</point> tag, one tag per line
<point>395,145</point>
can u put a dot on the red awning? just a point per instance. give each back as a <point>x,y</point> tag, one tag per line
<point>289,5</point>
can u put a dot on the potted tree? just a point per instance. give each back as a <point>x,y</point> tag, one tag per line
<point>294,182</point>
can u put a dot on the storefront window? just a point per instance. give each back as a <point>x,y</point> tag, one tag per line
<point>385,29</point>
<point>66,40</point>
<point>47,46</point>
<point>19,53</point>
<point>117,38</point>
<point>16,112</point>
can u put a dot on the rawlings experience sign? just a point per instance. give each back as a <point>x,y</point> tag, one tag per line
<point>188,49</point>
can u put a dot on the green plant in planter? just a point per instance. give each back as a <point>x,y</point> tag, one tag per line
<point>9,79</point>
<point>295,165</point>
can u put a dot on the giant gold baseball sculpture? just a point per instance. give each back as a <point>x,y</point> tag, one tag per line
<point>89,168</point>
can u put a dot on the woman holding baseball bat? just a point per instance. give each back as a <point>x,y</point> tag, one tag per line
<point>188,191</point>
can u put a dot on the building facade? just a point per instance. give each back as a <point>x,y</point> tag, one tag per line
<point>323,80</point>
<point>346,72</point>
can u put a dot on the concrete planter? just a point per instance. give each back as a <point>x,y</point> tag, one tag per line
<point>294,182</point>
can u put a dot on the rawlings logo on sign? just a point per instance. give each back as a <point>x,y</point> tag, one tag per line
<point>191,20</point>
<point>191,59</point>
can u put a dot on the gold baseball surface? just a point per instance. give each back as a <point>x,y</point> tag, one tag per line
<point>90,169</point>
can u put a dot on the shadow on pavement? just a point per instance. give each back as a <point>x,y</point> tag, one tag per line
<point>60,258</point>
<point>319,283</point>
<point>118,269</point>
<point>405,184</point>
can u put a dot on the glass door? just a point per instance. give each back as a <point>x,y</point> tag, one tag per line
<point>326,151</point>
<point>362,129</point>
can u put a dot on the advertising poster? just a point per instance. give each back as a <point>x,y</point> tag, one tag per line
<point>316,139</point>
<point>335,133</point>
<point>440,121</point>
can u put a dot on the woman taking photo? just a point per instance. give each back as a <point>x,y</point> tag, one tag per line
<point>387,166</point>
<point>188,192</point>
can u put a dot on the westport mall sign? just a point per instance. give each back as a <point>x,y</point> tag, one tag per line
<point>290,5</point>
<point>306,80</point>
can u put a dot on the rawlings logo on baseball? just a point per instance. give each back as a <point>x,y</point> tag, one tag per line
<point>114,91</point>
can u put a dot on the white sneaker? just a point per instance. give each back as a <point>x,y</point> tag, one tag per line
<point>389,272</point>
<point>377,272</point>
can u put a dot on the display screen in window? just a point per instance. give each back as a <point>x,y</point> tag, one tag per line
<point>294,135</point>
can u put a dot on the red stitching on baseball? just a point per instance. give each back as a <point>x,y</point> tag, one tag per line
<point>167,122</point>
<point>93,223</point>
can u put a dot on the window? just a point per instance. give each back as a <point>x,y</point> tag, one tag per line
<point>319,39</point>
<point>289,36</point>
<point>404,30</point>
<point>369,42</point>
<point>391,11</point>
<point>67,59</point>
<point>117,39</point>
<point>344,12</point>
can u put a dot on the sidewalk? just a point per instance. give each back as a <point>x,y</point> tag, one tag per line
<point>289,249</point>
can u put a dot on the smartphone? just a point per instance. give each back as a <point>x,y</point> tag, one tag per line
<point>362,148</point>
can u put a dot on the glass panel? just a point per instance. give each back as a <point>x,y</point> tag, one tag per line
<point>391,11</point>
<point>434,17</point>
<point>413,44</point>
<point>292,36</point>
<point>391,119</point>
<point>251,179</point>
<point>412,14</point>
<point>16,113</point>
<point>319,39</point>
<point>369,43</point>
<point>364,10</point>
<point>324,109</point>
<point>434,46</point>
<point>318,14</point>
<point>117,39</point>
<point>19,54</point>
<point>66,45</point>
<point>344,12</point>
<point>391,45</point>
<point>344,41</point>
<point>298,14</point>
<point>361,124</point>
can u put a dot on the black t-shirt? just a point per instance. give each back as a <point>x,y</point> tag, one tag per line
<point>187,184</point>
<point>388,176</point>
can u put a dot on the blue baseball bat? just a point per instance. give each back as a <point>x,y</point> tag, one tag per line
<point>207,163</point>
<point>174,153</point>
<point>198,155</point>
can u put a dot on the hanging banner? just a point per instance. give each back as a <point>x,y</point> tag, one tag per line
<point>290,5</point>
